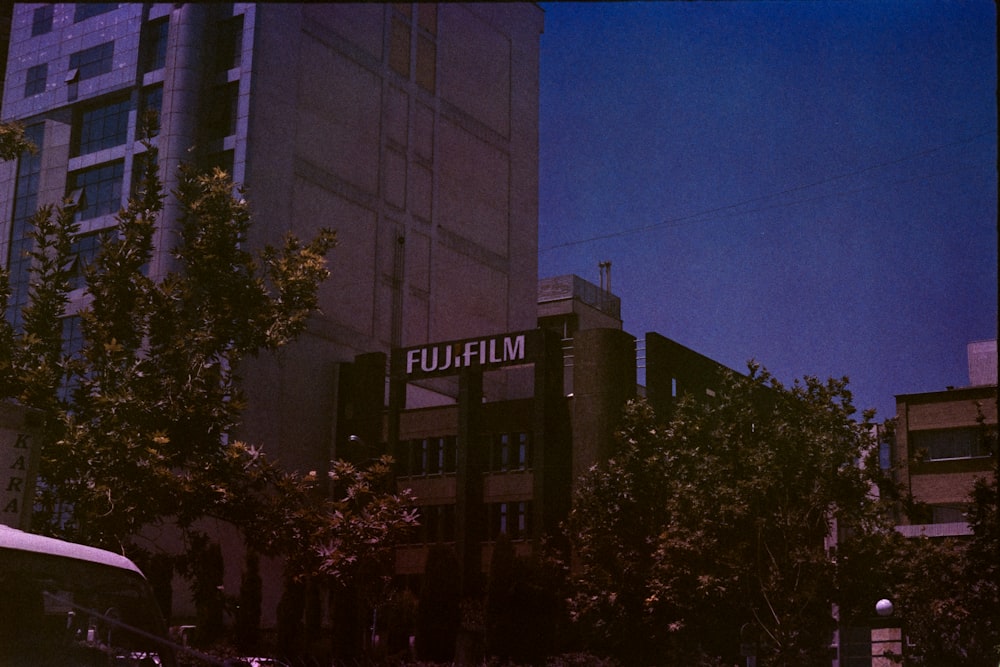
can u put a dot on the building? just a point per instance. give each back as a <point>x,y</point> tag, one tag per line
<point>482,465</point>
<point>410,129</point>
<point>944,441</point>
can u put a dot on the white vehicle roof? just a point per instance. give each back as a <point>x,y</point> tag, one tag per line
<point>11,538</point>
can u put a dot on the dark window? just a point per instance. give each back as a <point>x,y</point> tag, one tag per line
<point>427,17</point>
<point>84,10</point>
<point>29,168</point>
<point>220,119</point>
<point>437,524</point>
<point>99,189</point>
<point>229,46</point>
<point>72,343</point>
<point>952,443</point>
<point>510,451</point>
<point>426,63</point>
<point>100,127</point>
<point>139,164</point>
<point>511,519</point>
<point>154,45</point>
<point>84,248</point>
<point>41,20</point>
<point>35,82</point>
<point>399,48</point>
<point>92,62</point>
<point>151,110</point>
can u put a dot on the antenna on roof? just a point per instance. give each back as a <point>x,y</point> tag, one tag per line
<point>605,268</point>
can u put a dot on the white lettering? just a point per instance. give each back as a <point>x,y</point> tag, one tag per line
<point>411,359</point>
<point>515,351</point>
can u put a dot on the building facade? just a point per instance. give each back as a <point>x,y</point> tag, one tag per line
<point>410,129</point>
<point>481,465</point>
<point>944,441</point>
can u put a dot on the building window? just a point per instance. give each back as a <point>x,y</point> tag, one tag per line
<point>511,519</point>
<point>428,456</point>
<point>154,45</point>
<point>92,62</point>
<point>948,514</point>
<point>953,443</point>
<point>100,189</point>
<point>84,10</point>
<point>402,34</point>
<point>229,46</point>
<point>102,126</point>
<point>220,119</point>
<point>84,249</point>
<point>41,20</point>
<point>150,109</point>
<point>437,524</point>
<point>29,169</point>
<point>399,48</point>
<point>510,452</point>
<point>35,82</point>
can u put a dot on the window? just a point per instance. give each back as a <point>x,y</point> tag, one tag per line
<point>948,514</point>
<point>428,456</point>
<point>35,82</point>
<point>510,451</point>
<point>402,34</point>
<point>399,48</point>
<point>437,524</point>
<point>154,45</point>
<point>84,249</point>
<point>511,519</point>
<point>229,46</point>
<point>100,127</point>
<point>92,62</point>
<point>41,21</point>
<point>101,189</point>
<point>84,10</point>
<point>220,119</point>
<point>953,443</point>
<point>29,168</point>
<point>151,109</point>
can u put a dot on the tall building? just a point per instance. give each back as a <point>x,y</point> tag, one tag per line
<point>410,129</point>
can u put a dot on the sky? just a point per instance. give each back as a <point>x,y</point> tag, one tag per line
<point>810,185</point>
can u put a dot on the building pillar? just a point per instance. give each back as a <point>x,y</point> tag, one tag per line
<point>470,519</point>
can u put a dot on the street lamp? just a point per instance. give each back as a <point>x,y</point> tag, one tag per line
<point>887,636</point>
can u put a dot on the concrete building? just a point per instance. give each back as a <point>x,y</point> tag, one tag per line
<point>410,129</point>
<point>945,440</point>
<point>484,465</point>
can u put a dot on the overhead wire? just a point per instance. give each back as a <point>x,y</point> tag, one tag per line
<point>692,217</point>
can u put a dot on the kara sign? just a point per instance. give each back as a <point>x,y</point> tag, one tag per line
<point>451,357</point>
<point>18,459</point>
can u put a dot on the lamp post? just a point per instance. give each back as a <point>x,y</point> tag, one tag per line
<point>887,636</point>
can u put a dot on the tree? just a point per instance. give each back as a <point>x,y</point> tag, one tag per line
<point>712,528</point>
<point>138,417</point>
<point>13,142</point>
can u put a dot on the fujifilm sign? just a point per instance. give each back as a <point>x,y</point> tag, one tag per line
<point>452,357</point>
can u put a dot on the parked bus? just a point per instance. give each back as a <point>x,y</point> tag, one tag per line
<point>69,605</point>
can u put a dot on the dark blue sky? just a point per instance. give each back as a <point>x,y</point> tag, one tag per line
<point>809,184</point>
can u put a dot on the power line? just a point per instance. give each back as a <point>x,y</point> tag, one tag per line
<point>672,222</point>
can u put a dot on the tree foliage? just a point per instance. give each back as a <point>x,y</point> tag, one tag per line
<point>710,530</point>
<point>139,416</point>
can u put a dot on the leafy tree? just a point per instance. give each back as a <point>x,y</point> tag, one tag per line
<point>13,142</point>
<point>716,523</point>
<point>138,418</point>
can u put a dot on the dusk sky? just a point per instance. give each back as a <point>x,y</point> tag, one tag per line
<point>812,185</point>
